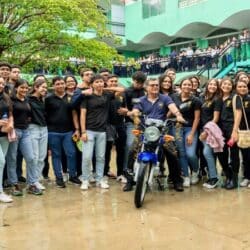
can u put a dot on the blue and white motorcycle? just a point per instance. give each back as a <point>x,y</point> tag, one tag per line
<point>152,136</point>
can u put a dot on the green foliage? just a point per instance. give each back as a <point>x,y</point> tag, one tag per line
<point>48,32</point>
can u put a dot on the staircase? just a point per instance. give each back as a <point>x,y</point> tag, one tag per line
<point>234,57</point>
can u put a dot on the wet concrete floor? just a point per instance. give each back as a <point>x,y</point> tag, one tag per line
<point>98,219</point>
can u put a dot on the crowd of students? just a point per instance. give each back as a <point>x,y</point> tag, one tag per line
<point>98,113</point>
<point>189,59</point>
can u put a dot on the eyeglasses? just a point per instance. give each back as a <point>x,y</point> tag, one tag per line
<point>153,85</point>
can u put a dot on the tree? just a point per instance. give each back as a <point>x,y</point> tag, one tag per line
<point>51,31</point>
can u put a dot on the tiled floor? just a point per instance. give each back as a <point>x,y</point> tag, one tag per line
<point>99,219</point>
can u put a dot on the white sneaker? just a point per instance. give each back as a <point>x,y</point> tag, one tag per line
<point>194,178</point>
<point>244,183</point>
<point>65,177</point>
<point>92,179</point>
<point>102,184</point>
<point>39,186</point>
<point>122,179</point>
<point>85,185</point>
<point>186,182</point>
<point>5,198</point>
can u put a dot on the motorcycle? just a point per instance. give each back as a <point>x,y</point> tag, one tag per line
<point>151,137</point>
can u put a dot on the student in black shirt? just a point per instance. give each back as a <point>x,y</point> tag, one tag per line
<point>226,123</point>
<point>118,132</point>
<point>38,126</point>
<point>210,111</point>
<point>82,88</point>
<point>22,116</point>
<point>243,100</point>
<point>71,83</point>
<point>94,118</point>
<point>132,95</point>
<point>61,128</point>
<point>187,135</point>
<point>6,124</point>
<point>166,85</point>
<point>196,85</point>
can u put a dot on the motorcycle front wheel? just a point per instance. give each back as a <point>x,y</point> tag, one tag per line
<point>141,184</point>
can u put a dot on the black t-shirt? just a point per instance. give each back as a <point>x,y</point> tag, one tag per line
<point>59,113</point>
<point>246,105</point>
<point>98,108</point>
<point>208,108</point>
<point>37,111</point>
<point>187,107</point>
<point>227,116</point>
<point>114,117</point>
<point>4,110</point>
<point>132,95</point>
<point>21,113</point>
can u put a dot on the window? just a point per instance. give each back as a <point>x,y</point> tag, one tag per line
<point>188,3</point>
<point>152,8</point>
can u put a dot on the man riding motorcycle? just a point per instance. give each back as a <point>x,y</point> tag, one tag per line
<point>155,105</point>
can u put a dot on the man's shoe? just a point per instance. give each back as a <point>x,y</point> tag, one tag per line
<point>178,187</point>
<point>102,184</point>
<point>194,178</point>
<point>39,185</point>
<point>5,198</point>
<point>211,183</point>
<point>186,181</point>
<point>128,187</point>
<point>233,183</point>
<point>32,189</point>
<point>16,190</point>
<point>85,185</point>
<point>75,180</point>
<point>22,179</point>
<point>60,183</point>
<point>244,183</point>
<point>122,179</point>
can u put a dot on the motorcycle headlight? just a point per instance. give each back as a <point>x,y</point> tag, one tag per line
<point>152,134</point>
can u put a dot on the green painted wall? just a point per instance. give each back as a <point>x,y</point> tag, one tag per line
<point>212,12</point>
<point>129,54</point>
<point>202,43</point>
<point>165,50</point>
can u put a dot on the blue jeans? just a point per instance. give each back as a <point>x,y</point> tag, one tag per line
<point>25,145</point>
<point>57,141</point>
<point>97,141</point>
<point>4,144</point>
<point>187,153</point>
<point>39,139</point>
<point>211,163</point>
<point>129,143</point>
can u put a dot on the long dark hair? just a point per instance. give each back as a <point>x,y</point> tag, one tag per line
<point>218,92</point>
<point>161,79</point>
<point>37,83</point>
